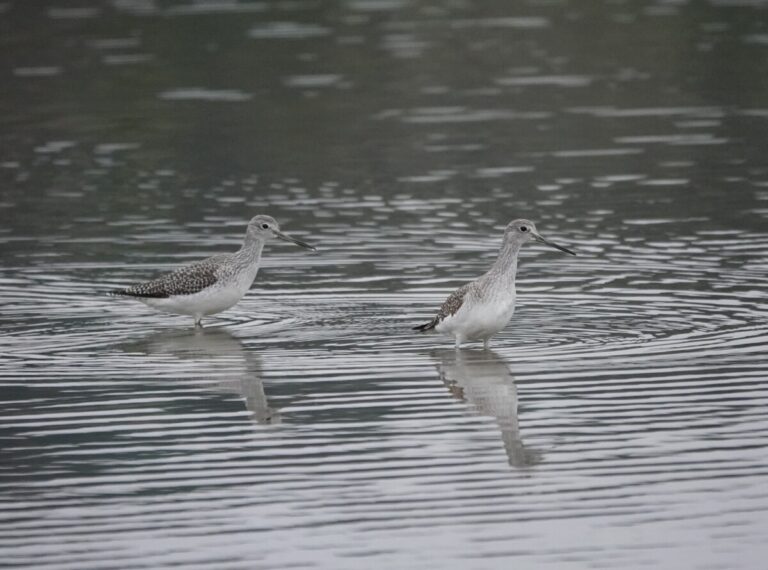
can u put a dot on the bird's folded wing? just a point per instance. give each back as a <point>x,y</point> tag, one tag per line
<point>184,281</point>
<point>453,303</point>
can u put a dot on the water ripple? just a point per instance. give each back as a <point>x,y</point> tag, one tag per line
<point>623,409</point>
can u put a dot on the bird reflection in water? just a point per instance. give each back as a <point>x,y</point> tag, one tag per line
<point>219,359</point>
<point>483,380</point>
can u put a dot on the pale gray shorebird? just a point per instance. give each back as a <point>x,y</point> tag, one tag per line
<point>214,284</point>
<point>481,308</point>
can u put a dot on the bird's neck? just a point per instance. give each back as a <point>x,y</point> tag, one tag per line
<point>505,266</point>
<point>250,252</point>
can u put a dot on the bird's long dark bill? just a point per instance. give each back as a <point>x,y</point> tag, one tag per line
<point>537,237</point>
<point>285,237</point>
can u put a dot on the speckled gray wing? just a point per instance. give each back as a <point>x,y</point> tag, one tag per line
<point>183,281</point>
<point>451,305</point>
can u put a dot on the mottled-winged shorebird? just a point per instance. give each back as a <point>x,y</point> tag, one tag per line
<point>214,284</point>
<point>481,308</point>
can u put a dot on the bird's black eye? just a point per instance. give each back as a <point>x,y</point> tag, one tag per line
<point>265,226</point>
<point>523,228</point>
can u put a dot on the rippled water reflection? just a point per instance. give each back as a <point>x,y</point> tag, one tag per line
<point>619,421</point>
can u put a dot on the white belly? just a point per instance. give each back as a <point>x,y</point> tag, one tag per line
<point>209,301</point>
<point>479,320</point>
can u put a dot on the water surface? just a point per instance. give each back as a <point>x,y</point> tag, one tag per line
<point>619,421</point>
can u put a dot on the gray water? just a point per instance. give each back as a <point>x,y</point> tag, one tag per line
<point>618,422</point>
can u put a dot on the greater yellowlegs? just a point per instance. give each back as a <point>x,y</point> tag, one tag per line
<point>481,308</point>
<point>213,284</point>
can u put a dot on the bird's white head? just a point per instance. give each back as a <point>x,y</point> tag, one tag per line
<point>521,231</point>
<point>265,228</point>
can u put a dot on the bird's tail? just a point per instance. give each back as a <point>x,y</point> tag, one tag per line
<point>118,293</point>
<point>426,326</point>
